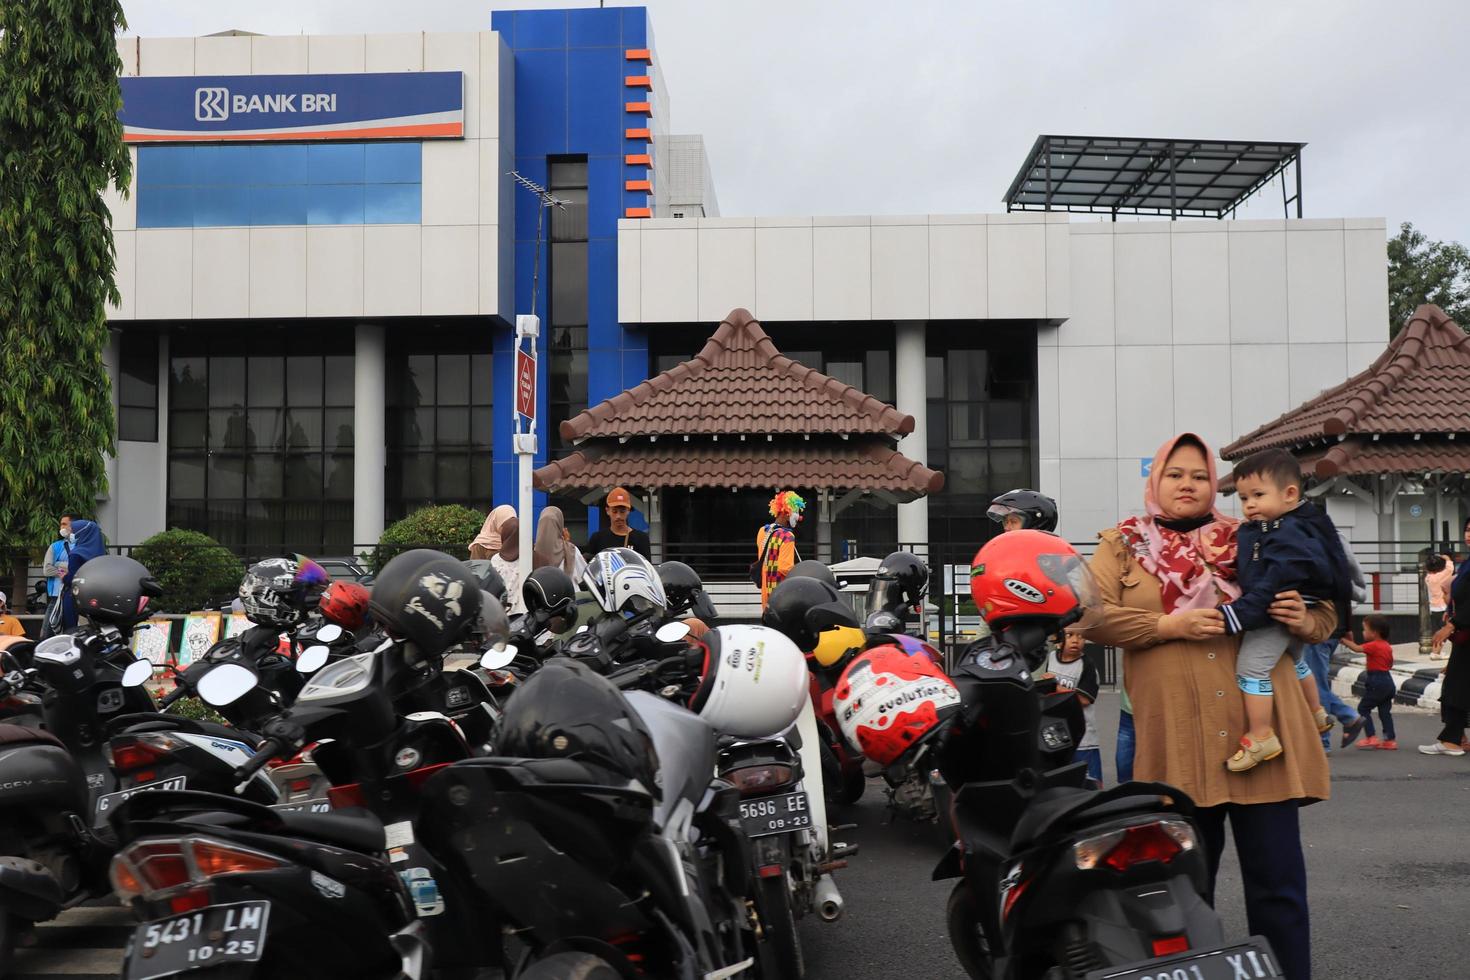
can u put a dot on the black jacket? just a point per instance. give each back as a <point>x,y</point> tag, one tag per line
<point>1299,550</point>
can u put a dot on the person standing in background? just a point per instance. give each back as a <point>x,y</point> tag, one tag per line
<point>9,625</point>
<point>1454,692</point>
<point>86,544</point>
<point>58,553</point>
<point>1074,673</point>
<point>775,543</point>
<point>618,533</point>
<point>1439,571</point>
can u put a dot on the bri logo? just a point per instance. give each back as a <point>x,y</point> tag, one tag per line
<point>211,104</point>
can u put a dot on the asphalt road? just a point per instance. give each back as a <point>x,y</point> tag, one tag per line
<point>1388,858</point>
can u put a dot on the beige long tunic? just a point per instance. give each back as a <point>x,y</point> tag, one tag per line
<point>1187,711</point>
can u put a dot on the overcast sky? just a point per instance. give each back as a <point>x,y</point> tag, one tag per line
<point>859,106</point>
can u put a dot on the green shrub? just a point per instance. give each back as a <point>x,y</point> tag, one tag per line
<point>193,569</point>
<point>448,529</point>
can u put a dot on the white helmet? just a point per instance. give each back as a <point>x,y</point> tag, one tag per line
<point>622,580</point>
<point>754,682</point>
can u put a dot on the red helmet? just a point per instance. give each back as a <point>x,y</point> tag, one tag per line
<point>1030,574</point>
<point>889,700</point>
<point>346,604</point>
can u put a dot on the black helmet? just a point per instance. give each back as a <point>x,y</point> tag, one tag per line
<point>550,590</point>
<point>902,581</point>
<point>1038,512</point>
<point>489,579</point>
<point>568,711</point>
<point>811,568</point>
<point>279,592</point>
<point>427,598</point>
<point>801,608</point>
<point>113,589</point>
<point>685,591</point>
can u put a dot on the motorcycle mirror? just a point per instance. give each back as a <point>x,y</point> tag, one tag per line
<point>137,673</point>
<point>672,632</point>
<point>225,685</point>
<point>312,659</point>
<point>329,633</point>
<point>497,657</point>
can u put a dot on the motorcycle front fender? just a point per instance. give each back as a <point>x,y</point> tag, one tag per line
<point>952,865</point>
<point>29,890</point>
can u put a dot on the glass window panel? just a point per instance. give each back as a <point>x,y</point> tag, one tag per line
<point>188,382</point>
<point>303,380</point>
<point>393,163</point>
<point>806,358</point>
<point>223,166</point>
<point>165,165</point>
<point>265,427</point>
<point>303,476</point>
<point>420,380</point>
<point>186,476</point>
<point>226,476</point>
<point>966,423</point>
<point>454,427</point>
<point>1010,468</point>
<point>335,163</point>
<point>848,372</point>
<point>417,476</point>
<point>934,377</point>
<point>1009,421</point>
<point>337,428</point>
<point>416,426</point>
<point>339,476</point>
<point>221,207</point>
<point>567,174</point>
<point>335,204</point>
<point>165,207</point>
<point>337,537</point>
<point>263,476</point>
<point>454,379</point>
<point>666,362</point>
<point>569,284</point>
<point>569,223</point>
<point>190,514</point>
<point>137,424</point>
<point>878,379</point>
<point>967,374</point>
<point>227,522</point>
<point>265,532</point>
<point>229,428</point>
<point>338,370</point>
<point>481,422</point>
<point>279,164</point>
<point>969,470</point>
<point>304,428</point>
<point>283,205</point>
<point>391,204</point>
<point>138,369</point>
<point>454,477</point>
<point>265,380</point>
<point>482,378</point>
<point>482,470</point>
<point>938,426</point>
<point>188,430</point>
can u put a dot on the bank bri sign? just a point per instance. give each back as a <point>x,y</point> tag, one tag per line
<point>245,108</point>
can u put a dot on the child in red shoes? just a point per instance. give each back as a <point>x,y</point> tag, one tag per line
<point>1378,683</point>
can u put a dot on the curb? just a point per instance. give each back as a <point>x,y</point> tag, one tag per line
<point>1418,687</point>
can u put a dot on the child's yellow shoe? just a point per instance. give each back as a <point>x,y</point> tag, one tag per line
<point>1324,721</point>
<point>1252,753</point>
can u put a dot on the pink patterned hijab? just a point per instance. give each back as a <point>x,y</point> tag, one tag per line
<point>1194,561</point>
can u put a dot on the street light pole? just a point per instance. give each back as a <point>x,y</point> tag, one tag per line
<point>528,328</point>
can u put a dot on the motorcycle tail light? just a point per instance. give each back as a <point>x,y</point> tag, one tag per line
<point>153,866</point>
<point>1170,945</point>
<point>156,865</point>
<point>1119,850</point>
<point>345,796</point>
<point>214,858</point>
<point>299,785</point>
<point>128,753</point>
<point>124,880</point>
<point>759,779</point>
<point>195,898</point>
<point>770,871</point>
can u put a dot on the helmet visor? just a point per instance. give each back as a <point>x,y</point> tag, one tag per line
<point>1072,572</point>
<point>884,595</point>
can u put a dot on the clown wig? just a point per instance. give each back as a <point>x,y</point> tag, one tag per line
<point>786,503</point>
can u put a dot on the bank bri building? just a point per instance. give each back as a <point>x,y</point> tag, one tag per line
<point>322,257</point>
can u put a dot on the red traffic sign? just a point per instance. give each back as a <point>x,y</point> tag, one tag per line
<point>526,384</point>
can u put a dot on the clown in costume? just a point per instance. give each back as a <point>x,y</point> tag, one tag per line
<point>776,542</point>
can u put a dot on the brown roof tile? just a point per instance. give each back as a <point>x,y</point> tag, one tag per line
<point>1419,384</point>
<point>1359,456</point>
<point>866,464</point>
<point>739,383</point>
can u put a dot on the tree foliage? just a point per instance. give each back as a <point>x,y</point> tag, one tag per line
<point>1421,271</point>
<point>448,529</point>
<point>193,568</point>
<point>60,146</point>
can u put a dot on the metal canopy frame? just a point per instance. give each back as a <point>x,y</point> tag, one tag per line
<point>1178,178</point>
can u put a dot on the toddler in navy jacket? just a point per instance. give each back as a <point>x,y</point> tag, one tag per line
<point>1285,543</point>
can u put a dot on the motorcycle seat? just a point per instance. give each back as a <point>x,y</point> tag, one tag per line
<point>174,723</point>
<point>1066,807</point>
<point>21,735</point>
<point>355,832</point>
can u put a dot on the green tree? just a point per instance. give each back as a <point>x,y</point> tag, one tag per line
<point>1421,271</point>
<point>60,147</point>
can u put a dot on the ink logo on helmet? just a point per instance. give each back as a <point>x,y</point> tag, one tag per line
<point>1024,591</point>
<point>211,104</point>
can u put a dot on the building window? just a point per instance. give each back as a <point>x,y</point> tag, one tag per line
<point>137,388</point>
<point>439,416</point>
<point>260,436</point>
<point>567,312</point>
<point>279,184</point>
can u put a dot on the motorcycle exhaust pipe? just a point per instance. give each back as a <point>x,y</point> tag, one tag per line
<point>829,899</point>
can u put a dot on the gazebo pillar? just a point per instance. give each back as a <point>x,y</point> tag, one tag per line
<point>911,398</point>
<point>824,526</point>
<point>656,524</point>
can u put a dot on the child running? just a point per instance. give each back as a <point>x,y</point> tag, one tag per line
<point>1378,686</point>
<point>1284,543</point>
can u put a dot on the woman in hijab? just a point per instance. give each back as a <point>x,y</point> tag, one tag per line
<point>86,543</point>
<point>554,544</point>
<point>499,540</point>
<point>1161,577</point>
<point>1454,693</point>
<point>487,542</point>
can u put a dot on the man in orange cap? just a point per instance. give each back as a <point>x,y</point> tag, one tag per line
<point>618,534</point>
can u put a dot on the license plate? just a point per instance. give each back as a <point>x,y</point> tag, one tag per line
<point>105,803</point>
<point>775,814</point>
<point>211,936</point>
<point>304,806</point>
<point>1251,960</point>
